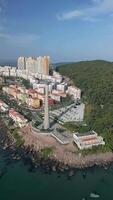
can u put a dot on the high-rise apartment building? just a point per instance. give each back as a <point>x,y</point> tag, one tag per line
<point>43,64</point>
<point>22,63</point>
<point>34,65</point>
<point>30,64</point>
<point>40,64</point>
<point>46,60</point>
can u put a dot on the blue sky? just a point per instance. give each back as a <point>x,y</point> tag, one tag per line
<point>67,30</point>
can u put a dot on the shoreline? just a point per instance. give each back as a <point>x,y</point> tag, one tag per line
<point>59,162</point>
<point>65,155</point>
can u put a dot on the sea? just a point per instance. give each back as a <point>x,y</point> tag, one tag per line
<point>19,182</point>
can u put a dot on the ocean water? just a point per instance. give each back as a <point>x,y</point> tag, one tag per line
<point>18,183</point>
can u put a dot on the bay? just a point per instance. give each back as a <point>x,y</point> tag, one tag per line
<point>18,183</point>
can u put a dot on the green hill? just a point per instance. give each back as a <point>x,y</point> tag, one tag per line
<point>95,78</point>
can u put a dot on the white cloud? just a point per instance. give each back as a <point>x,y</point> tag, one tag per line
<point>19,39</point>
<point>99,7</point>
<point>90,19</point>
<point>97,1</point>
<point>69,15</point>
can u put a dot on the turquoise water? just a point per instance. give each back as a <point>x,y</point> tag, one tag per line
<point>18,183</point>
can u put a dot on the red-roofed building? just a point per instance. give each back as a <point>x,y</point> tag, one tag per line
<point>18,118</point>
<point>88,140</point>
<point>33,93</point>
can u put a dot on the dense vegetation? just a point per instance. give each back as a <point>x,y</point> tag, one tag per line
<point>95,78</point>
<point>19,140</point>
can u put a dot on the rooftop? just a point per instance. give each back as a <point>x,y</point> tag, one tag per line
<point>86,133</point>
<point>16,114</point>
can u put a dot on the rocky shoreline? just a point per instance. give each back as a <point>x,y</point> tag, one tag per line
<point>33,157</point>
<point>35,160</point>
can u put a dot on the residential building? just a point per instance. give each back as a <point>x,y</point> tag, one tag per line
<point>34,65</point>
<point>62,87</point>
<point>59,93</point>
<point>42,98</point>
<point>51,101</point>
<point>30,65</point>
<point>22,97</point>
<point>75,92</point>
<point>17,118</point>
<point>56,97</point>
<point>22,63</point>
<point>34,102</point>
<point>3,106</point>
<point>46,60</point>
<point>31,92</point>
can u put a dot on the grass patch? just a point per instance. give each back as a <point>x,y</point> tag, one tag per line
<point>47,151</point>
<point>94,150</point>
<point>19,140</point>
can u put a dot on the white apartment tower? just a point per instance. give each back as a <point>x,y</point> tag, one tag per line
<point>22,63</point>
<point>34,65</point>
<point>30,65</point>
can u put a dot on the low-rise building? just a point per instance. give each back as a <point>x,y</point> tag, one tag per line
<point>5,89</point>
<point>34,102</point>
<point>22,96</point>
<point>31,92</point>
<point>17,118</point>
<point>41,97</point>
<point>58,93</point>
<point>75,92</point>
<point>88,140</point>
<point>57,76</point>
<point>62,87</point>
<point>11,90</point>
<point>51,101</point>
<point>3,106</point>
<point>40,90</point>
<point>56,97</point>
<point>35,85</point>
<point>21,89</point>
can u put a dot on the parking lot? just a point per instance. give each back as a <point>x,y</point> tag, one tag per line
<point>70,113</point>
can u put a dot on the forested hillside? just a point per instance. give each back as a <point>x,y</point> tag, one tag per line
<point>95,78</point>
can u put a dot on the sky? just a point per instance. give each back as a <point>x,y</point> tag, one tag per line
<point>66,30</point>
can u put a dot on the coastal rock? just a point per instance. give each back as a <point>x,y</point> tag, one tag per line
<point>54,168</point>
<point>71,173</point>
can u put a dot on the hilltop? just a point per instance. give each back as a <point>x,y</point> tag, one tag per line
<point>95,78</point>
